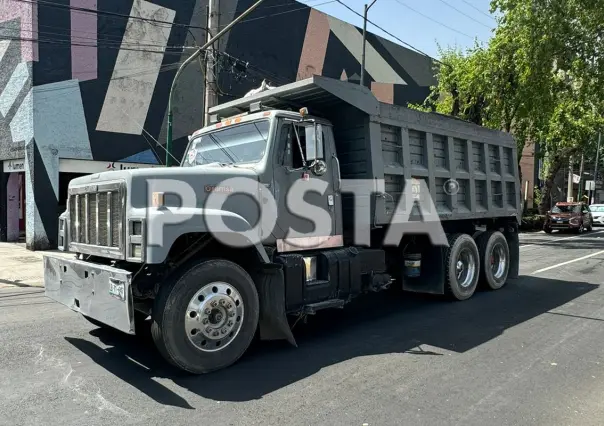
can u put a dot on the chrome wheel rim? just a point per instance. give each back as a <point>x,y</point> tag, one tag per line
<point>498,261</point>
<point>214,316</point>
<point>465,268</point>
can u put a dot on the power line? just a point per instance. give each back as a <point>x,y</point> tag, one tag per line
<point>389,33</point>
<point>153,21</point>
<point>99,46</point>
<point>109,43</point>
<point>432,19</point>
<point>463,13</point>
<point>478,10</point>
<point>106,13</point>
<point>305,7</point>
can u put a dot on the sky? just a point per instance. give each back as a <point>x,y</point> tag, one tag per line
<point>424,24</point>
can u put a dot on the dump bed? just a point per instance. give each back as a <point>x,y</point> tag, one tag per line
<point>390,144</point>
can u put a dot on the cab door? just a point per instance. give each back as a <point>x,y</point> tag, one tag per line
<point>292,162</point>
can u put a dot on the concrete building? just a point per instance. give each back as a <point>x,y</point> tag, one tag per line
<point>529,168</point>
<point>84,85</point>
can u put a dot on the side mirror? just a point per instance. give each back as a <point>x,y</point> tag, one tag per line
<point>314,142</point>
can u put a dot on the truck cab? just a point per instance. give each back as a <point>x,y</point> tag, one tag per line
<point>293,200</point>
<point>283,148</point>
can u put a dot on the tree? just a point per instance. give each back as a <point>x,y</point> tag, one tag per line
<point>540,77</point>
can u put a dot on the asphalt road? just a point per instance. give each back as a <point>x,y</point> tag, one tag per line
<point>531,353</point>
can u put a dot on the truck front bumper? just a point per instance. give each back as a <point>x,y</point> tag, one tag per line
<point>100,292</point>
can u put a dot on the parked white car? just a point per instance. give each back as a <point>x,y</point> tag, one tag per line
<point>597,212</point>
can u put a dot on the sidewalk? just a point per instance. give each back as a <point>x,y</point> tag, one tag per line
<point>21,267</point>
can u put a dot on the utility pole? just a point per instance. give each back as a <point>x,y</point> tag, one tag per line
<point>596,167</point>
<point>569,185</point>
<point>580,193</point>
<point>367,7</point>
<point>188,61</point>
<point>211,92</point>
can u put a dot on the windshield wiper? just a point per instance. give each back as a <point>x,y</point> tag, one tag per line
<point>219,145</point>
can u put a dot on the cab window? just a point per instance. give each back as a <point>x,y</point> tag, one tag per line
<point>296,154</point>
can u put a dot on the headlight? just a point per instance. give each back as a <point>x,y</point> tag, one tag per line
<point>62,241</point>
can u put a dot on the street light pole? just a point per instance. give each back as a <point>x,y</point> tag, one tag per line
<point>367,7</point>
<point>596,166</point>
<point>580,193</point>
<point>190,59</point>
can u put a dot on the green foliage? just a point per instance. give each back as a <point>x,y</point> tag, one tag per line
<point>540,77</point>
<point>532,222</point>
<point>537,195</point>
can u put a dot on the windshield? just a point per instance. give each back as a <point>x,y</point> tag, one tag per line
<point>567,209</point>
<point>596,208</point>
<point>245,143</point>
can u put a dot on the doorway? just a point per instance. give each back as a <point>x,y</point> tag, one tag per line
<point>15,207</point>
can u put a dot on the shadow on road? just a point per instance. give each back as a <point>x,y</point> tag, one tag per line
<point>377,324</point>
<point>16,283</point>
<point>578,244</point>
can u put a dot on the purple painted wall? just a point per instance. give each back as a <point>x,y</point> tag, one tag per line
<point>27,13</point>
<point>84,40</point>
<point>12,207</point>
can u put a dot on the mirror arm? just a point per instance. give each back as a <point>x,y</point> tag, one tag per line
<point>300,147</point>
<point>338,170</point>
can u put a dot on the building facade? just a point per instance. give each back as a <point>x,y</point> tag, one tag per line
<point>84,85</point>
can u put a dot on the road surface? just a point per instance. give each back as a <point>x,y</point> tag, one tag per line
<point>531,353</point>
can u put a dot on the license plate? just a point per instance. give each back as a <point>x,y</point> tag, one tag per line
<point>117,289</point>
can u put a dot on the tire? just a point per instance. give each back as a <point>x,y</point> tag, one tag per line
<point>191,343</point>
<point>461,245</point>
<point>580,229</point>
<point>493,247</point>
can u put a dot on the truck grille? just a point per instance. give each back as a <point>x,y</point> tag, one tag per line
<point>96,218</point>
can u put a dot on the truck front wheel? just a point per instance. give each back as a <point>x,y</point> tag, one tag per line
<point>462,266</point>
<point>205,318</point>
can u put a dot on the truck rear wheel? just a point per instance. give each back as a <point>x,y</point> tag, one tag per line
<point>494,259</point>
<point>206,318</point>
<point>462,266</point>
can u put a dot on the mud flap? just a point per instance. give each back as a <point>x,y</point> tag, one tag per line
<point>511,235</point>
<point>432,278</point>
<point>273,319</point>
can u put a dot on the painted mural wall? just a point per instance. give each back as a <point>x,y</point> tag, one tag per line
<point>17,55</point>
<point>89,79</point>
<point>102,70</point>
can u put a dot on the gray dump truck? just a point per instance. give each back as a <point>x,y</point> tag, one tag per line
<point>149,249</point>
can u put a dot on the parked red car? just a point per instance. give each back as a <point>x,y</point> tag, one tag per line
<point>569,216</point>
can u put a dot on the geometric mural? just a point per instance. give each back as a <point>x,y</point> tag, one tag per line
<point>84,37</point>
<point>135,73</point>
<point>95,84</point>
<point>16,106</point>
